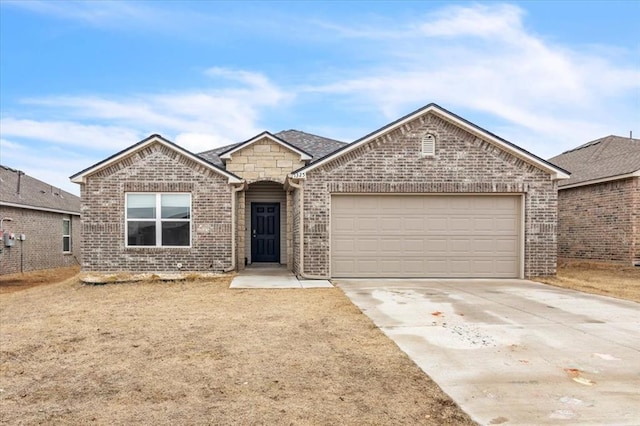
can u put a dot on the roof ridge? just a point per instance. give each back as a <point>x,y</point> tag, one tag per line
<point>310,134</point>
<point>600,140</point>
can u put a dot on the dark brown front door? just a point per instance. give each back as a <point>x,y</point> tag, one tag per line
<point>265,232</point>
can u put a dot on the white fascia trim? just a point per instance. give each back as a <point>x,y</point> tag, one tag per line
<point>81,178</point>
<point>603,180</point>
<point>303,156</point>
<point>555,173</point>
<point>42,209</point>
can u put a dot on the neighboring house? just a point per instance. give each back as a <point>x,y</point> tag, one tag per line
<point>48,219</point>
<point>429,195</point>
<point>599,207</point>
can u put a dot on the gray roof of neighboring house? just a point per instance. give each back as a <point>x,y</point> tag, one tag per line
<point>603,158</point>
<point>24,190</point>
<point>316,146</point>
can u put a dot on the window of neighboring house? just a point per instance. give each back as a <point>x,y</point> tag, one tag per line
<point>158,220</point>
<point>428,145</point>
<point>66,235</point>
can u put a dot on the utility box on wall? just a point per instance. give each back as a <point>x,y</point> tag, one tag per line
<point>8,239</point>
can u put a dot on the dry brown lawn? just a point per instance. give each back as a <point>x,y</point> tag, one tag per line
<point>607,279</point>
<point>196,352</point>
<point>16,282</point>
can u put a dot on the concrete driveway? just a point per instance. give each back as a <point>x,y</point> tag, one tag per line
<point>515,351</point>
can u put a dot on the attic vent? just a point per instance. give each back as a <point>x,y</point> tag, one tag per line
<point>428,145</point>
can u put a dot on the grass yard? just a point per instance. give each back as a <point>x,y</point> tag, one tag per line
<point>607,279</point>
<point>195,352</point>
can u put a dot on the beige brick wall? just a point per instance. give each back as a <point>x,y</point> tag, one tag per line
<point>264,160</point>
<point>42,248</point>
<point>155,168</point>
<point>463,164</point>
<point>600,221</point>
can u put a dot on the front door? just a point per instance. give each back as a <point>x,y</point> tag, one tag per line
<point>265,232</point>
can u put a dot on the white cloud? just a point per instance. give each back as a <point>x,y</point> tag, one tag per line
<point>199,142</point>
<point>218,115</point>
<point>69,133</point>
<point>98,126</point>
<point>496,21</point>
<point>49,164</point>
<point>100,13</point>
<point>482,58</point>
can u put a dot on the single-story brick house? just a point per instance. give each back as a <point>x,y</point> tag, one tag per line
<point>599,206</point>
<point>47,217</point>
<point>429,195</point>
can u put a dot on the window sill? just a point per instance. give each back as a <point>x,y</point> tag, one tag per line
<point>154,249</point>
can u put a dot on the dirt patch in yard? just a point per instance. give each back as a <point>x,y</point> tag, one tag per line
<point>196,352</point>
<point>607,279</point>
<point>16,282</point>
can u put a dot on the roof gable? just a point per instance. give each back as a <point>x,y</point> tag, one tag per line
<point>314,145</point>
<point>18,189</point>
<point>81,176</point>
<point>555,171</point>
<point>601,160</point>
<point>225,155</point>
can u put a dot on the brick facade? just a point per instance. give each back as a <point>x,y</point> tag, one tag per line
<point>42,248</point>
<point>463,163</point>
<point>600,221</point>
<point>155,168</point>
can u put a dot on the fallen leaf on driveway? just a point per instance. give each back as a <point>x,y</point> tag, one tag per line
<point>584,381</point>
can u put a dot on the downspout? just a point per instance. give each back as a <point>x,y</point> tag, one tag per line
<point>301,232</point>
<point>234,191</point>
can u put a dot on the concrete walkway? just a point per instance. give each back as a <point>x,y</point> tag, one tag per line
<point>515,352</point>
<point>272,276</point>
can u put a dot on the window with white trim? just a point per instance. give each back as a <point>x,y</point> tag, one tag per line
<point>428,145</point>
<point>66,235</point>
<point>158,220</point>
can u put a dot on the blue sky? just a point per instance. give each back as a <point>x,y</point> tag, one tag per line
<point>80,81</point>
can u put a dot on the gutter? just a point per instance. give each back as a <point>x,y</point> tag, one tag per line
<point>301,232</point>
<point>234,255</point>
<point>601,180</point>
<point>42,209</point>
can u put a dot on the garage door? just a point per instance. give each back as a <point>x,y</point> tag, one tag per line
<point>425,236</point>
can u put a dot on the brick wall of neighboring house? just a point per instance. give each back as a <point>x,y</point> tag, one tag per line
<point>264,160</point>
<point>600,221</point>
<point>42,248</point>
<point>463,163</point>
<point>155,168</point>
<point>635,221</point>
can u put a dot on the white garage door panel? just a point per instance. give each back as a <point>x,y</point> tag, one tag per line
<point>425,236</point>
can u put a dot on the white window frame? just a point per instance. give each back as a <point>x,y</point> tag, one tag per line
<point>428,145</point>
<point>64,219</point>
<point>158,219</point>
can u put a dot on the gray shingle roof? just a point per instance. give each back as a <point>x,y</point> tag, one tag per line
<point>600,159</point>
<point>314,145</point>
<point>34,193</point>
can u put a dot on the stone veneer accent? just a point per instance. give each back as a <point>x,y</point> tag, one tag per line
<point>42,248</point>
<point>264,160</point>
<point>155,168</point>
<point>463,163</point>
<point>600,221</point>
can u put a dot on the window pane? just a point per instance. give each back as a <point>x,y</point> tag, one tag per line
<point>176,206</point>
<point>175,233</point>
<point>65,227</point>
<point>66,244</point>
<point>141,233</point>
<point>141,206</point>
